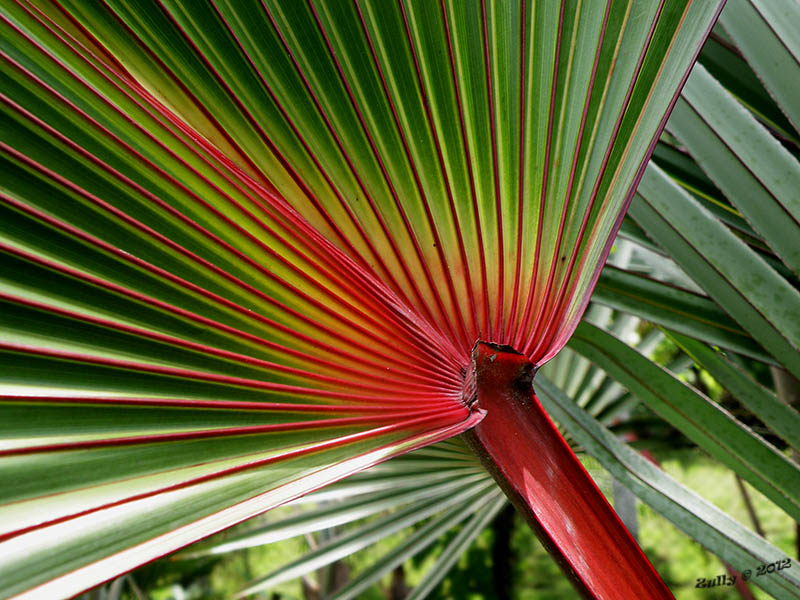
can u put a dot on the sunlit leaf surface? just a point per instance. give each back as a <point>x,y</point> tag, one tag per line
<point>247,247</point>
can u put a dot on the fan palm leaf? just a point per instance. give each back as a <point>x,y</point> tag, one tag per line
<point>248,247</point>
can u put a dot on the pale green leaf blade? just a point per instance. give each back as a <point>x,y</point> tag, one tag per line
<point>412,545</point>
<point>737,279</point>
<point>675,308</point>
<point>60,559</point>
<point>351,541</point>
<point>756,173</point>
<point>341,513</point>
<point>766,34</point>
<point>696,416</point>
<point>698,518</point>
<point>783,419</point>
<point>490,504</point>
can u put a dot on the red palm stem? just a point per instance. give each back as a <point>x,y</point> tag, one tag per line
<point>543,478</point>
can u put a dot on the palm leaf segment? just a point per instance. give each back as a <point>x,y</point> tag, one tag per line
<point>248,248</point>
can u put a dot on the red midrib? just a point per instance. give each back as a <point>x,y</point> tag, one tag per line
<point>543,478</point>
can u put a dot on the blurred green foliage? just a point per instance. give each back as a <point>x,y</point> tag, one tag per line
<point>679,559</point>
